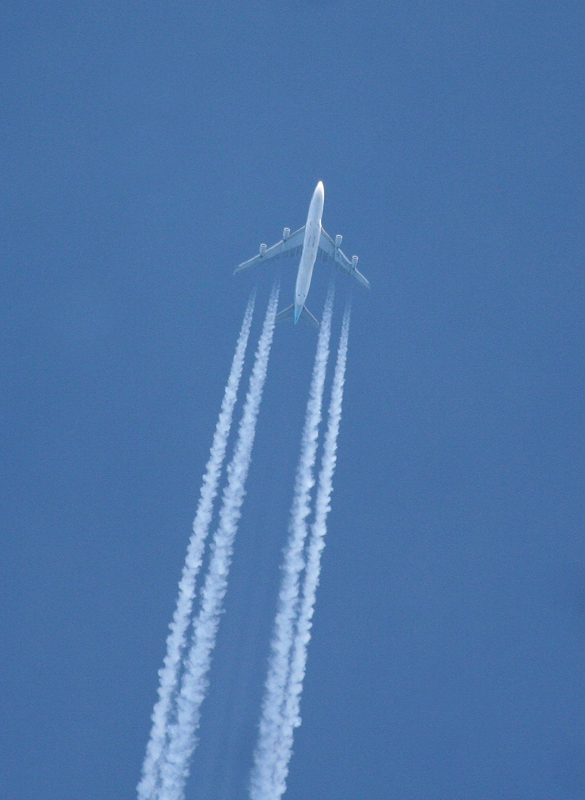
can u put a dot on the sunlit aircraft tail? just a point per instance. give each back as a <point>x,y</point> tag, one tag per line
<point>306,316</point>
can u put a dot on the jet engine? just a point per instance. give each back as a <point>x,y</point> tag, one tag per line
<point>262,249</point>
<point>354,260</point>
<point>338,240</point>
<point>285,234</point>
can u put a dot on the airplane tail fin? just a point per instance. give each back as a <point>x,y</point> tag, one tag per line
<point>306,316</point>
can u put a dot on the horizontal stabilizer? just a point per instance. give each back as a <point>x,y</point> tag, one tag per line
<point>287,313</point>
<point>306,316</point>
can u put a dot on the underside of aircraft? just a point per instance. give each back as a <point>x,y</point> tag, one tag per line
<point>291,246</point>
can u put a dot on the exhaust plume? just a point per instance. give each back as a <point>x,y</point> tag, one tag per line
<point>182,733</point>
<point>176,639</point>
<point>291,718</point>
<point>282,641</point>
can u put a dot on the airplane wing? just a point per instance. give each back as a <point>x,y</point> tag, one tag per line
<point>330,251</point>
<point>288,247</point>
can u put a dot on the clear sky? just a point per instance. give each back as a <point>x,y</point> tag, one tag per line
<point>146,149</point>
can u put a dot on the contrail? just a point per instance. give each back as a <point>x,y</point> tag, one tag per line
<point>291,718</point>
<point>182,732</point>
<point>176,640</point>
<point>282,640</point>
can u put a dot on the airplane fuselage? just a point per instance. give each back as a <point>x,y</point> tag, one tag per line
<point>310,248</point>
<point>312,242</point>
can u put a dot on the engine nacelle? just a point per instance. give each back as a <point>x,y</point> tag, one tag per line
<point>338,240</point>
<point>354,260</point>
<point>285,234</point>
<point>262,249</point>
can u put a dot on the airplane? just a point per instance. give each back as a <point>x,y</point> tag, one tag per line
<point>311,242</point>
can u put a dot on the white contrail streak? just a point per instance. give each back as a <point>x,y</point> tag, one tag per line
<point>298,662</point>
<point>282,640</point>
<point>176,640</point>
<point>182,732</point>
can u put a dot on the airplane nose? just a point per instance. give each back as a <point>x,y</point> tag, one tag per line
<point>320,189</point>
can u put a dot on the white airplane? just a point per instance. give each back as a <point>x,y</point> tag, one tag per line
<point>311,242</point>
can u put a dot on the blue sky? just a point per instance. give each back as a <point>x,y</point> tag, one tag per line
<point>146,150</point>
